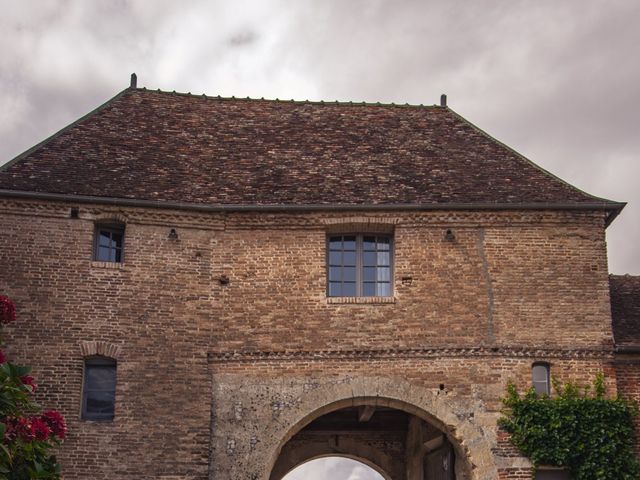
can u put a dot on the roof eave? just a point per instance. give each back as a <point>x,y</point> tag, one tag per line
<point>612,208</point>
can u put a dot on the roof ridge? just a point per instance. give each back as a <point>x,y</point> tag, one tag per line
<point>289,101</point>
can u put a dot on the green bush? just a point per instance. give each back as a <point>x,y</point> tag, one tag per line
<point>578,429</point>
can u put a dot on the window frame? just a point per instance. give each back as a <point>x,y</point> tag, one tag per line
<point>547,367</point>
<point>111,227</point>
<point>359,282</point>
<point>97,361</point>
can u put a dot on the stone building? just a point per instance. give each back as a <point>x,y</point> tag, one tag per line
<point>222,288</point>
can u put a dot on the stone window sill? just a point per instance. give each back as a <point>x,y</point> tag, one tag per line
<point>108,265</point>
<point>361,300</point>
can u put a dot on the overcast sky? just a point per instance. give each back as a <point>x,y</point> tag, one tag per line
<point>559,81</point>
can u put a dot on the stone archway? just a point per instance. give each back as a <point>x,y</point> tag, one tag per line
<point>253,418</point>
<point>455,417</point>
<point>395,443</point>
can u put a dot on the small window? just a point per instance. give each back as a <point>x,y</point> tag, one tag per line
<point>540,377</point>
<point>99,389</point>
<point>108,243</point>
<point>552,474</point>
<point>359,265</point>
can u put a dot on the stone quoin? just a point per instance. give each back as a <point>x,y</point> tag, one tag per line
<point>222,288</point>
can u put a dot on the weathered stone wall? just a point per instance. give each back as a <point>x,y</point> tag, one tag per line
<point>512,288</point>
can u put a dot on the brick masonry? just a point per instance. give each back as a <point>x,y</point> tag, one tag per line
<point>212,378</point>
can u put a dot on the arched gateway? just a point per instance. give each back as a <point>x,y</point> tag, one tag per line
<point>402,430</point>
<point>396,443</point>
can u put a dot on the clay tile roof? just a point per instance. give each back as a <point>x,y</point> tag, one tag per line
<point>625,309</point>
<point>168,147</point>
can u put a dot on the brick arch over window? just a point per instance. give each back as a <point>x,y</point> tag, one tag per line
<point>93,348</point>
<point>455,417</point>
<point>110,218</point>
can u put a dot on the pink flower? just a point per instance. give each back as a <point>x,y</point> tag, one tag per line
<point>56,423</point>
<point>29,382</point>
<point>3,357</point>
<point>7,310</point>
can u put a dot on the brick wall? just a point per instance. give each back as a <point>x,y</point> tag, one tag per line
<point>512,288</point>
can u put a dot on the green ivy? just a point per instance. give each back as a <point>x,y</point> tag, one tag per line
<point>578,429</point>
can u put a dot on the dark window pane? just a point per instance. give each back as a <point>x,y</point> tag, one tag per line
<point>349,258</point>
<point>335,289</point>
<point>100,403</point>
<point>369,243</point>
<point>349,242</point>
<point>552,475</point>
<point>383,274</point>
<point>383,243</point>
<point>104,254</point>
<point>349,274</point>
<point>99,389</point>
<point>335,274</point>
<point>335,258</point>
<point>349,289</point>
<point>101,377</point>
<point>369,289</point>
<point>369,258</point>
<point>335,243</point>
<point>116,237</point>
<point>383,258</point>
<point>383,290</point>
<point>117,255</point>
<point>369,274</point>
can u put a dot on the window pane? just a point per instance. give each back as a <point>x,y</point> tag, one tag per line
<point>335,274</point>
<point>104,254</point>
<point>335,243</point>
<point>383,290</point>
<point>369,274</point>
<point>335,289</point>
<point>369,258</point>
<point>100,377</point>
<point>383,243</point>
<point>118,255</point>
<point>335,258</point>
<point>369,289</point>
<point>100,402</point>
<point>383,258</point>
<point>104,239</point>
<point>383,274</point>
<point>369,243</point>
<point>349,274</point>
<point>349,258</point>
<point>349,289</point>
<point>540,373</point>
<point>349,242</point>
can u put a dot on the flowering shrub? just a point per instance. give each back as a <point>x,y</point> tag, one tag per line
<point>27,434</point>
<point>7,310</point>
